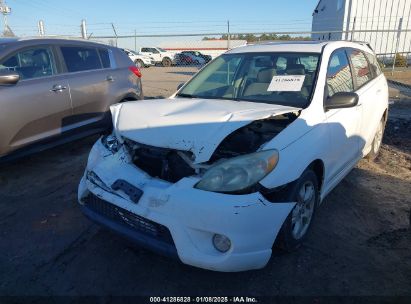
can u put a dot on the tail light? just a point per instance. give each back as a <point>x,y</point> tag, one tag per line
<point>135,71</point>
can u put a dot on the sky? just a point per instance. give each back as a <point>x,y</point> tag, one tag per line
<point>159,16</point>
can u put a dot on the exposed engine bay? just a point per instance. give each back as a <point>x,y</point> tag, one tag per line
<point>172,165</point>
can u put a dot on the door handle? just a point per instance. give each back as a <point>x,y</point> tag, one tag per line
<point>110,78</point>
<point>379,91</point>
<point>58,88</point>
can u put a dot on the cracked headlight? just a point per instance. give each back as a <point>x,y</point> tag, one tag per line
<point>111,143</point>
<point>239,173</point>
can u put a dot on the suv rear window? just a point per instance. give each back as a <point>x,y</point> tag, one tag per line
<point>81,58</point>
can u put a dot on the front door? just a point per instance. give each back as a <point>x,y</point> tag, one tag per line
<point>343,124</point>
<point>37,106</point>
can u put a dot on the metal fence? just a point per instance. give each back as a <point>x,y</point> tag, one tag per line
<point>198,47</point>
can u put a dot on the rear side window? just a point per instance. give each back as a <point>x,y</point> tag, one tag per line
<point>339,76</point>
<point>81,58</point>
<point>105,58</point>
<point>375,67</point>
<point>362,71</point>
<point>31,63</point>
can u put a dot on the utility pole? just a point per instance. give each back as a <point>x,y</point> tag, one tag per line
<point>135,40</point>
<point>40,26</point>
<point>228,34</point>
<point>115,34</point>
<point>83,29</point>
<point>5,10</point>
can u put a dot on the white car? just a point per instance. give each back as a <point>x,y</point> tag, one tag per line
<point>141,61</point>
<point>160,56</point>
<point>239,159</point>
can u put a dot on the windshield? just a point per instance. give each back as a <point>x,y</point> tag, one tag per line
<point>274,78</point>
<point>161,50</point>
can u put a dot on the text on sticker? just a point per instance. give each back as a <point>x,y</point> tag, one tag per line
<point>286,83</point>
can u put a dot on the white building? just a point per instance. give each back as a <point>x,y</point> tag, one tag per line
<point>213,48</point>
<point>365,20</point>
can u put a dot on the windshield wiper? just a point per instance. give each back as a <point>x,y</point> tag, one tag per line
<point>186,95</point>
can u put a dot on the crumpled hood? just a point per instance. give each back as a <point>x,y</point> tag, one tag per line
<point>196,125</point>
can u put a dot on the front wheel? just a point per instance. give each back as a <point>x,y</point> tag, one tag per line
<point>377,141</point>
<point>305,193</point>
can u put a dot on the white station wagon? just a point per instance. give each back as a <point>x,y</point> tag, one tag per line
<point>239,159</point>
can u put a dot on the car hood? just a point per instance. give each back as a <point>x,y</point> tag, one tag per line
<point>196,125</point>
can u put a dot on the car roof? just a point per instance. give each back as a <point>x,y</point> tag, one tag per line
<point>293,46</point>
<point>51,39</point>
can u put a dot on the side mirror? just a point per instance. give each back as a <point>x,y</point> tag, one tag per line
<point>9,77</point>
<point>341,100</point>
<point>180,85</point>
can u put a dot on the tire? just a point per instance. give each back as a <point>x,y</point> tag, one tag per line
<point>139,63</point>
<point>166,62</point>
<point>377,141</point>
<point>306,193</point>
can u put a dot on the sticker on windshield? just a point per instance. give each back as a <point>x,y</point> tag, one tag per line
<point>286,83</point>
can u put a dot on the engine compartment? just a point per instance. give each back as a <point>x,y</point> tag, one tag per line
<point>172,165</point>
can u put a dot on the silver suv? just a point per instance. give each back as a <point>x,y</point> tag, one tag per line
<point>54,90</point>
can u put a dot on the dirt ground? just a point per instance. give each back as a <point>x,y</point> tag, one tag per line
<point>360,242</point>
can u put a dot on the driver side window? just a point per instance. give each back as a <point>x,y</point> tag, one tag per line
<point>31,63</point>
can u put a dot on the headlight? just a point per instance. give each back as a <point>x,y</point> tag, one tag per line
<point>111,143</point>
<point>239,173</point>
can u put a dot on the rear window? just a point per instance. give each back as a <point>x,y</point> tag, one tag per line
<point>374,64</point>
<point>81,59</point>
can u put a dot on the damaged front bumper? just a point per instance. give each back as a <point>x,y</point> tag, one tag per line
<point>177,219</point>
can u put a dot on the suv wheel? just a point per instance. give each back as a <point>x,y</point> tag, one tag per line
<point>139,63</point>
<point>377,141</point>
<point>166,62</point>
<point>306,193</point>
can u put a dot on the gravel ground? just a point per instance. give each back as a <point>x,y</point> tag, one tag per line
<point>359,244</point>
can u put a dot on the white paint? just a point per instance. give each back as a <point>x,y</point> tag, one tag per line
<point>338,138</point>
<point>286,83</point>
<point>196,125</point>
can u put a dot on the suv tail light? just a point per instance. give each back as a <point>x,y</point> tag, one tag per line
<point>135,71</point>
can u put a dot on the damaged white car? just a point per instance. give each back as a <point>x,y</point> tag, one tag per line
<point>239,159</point>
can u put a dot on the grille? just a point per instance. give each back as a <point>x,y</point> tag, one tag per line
<point>129,219</point>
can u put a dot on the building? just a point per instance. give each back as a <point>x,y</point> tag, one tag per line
<point>382,23</point>
<point>213,48</point>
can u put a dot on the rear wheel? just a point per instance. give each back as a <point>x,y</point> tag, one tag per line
<point>166,62</point>
<point>305,193</point>
<point>377,141</point>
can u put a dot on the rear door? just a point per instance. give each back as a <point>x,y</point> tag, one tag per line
<point>89,76</point>
<point>36,107</point>
<point>343,123</point>
<point>372,90</point>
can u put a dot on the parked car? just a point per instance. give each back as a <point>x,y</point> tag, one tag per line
<point>141,61</point>
<point>188,59</point>
<point>56,90</point>
<point>207,58</point>
<point>159,55</point>
<point>241,157</point>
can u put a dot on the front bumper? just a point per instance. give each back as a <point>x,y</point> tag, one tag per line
<point>190,215</point>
